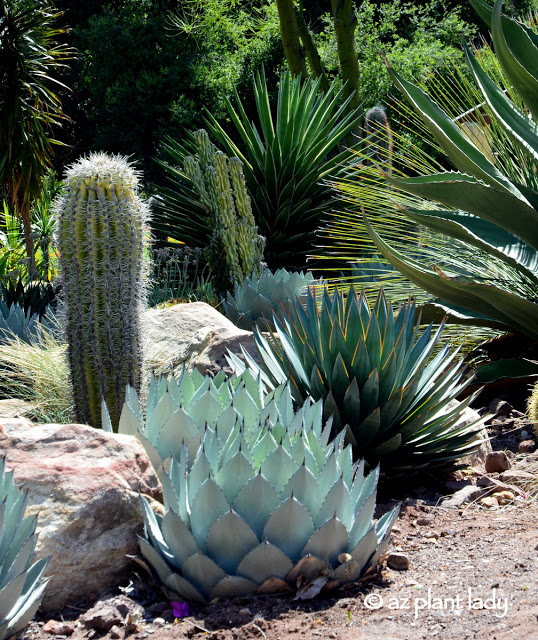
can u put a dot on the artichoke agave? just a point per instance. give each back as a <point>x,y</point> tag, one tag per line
<point>21,585</point>
<point>376,376</point>
<point>490,205</point>
<point>253,513</point>
<point>178,412</point>
<point>257,298</point>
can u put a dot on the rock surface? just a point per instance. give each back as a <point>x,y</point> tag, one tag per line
<point>84,486</point>
<point>497,461</point>
<point>191,334</point>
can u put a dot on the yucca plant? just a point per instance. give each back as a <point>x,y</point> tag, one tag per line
<point>476,249</point>
<point>263,512</point>
<point>256,299</point>
<point>21,582</point>
<point>378,375</point>
<point>287,155</point>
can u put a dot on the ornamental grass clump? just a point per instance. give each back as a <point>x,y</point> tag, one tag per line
<point>378,375</point>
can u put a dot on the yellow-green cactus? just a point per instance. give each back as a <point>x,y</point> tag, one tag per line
<point>101,236</point>
<point>235,250</point>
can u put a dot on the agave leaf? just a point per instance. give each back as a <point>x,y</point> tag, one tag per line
<point>365,548</point>
<point>518,55</point>
<point>463,153</point>
<point>514,121</point>
<point>304,487</point>
<point>469,194</point>
<point>278,468</point>
<point>233,587</point>
<point>209,504</point>
<point>255,502</point>
<point>337,503</point>
<point>179,539</point>
<point>155,559</point>
<point>328,542</point>
<point>264,562</point>
<point>482,235</point>
<point>10,593</point>
<point>288,527</point>
<point>229,539</point>
<point>184,588</point>
<point>484,299</point>
<point>202,572</point>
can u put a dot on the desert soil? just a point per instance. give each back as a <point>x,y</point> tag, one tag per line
<point>473,573</point>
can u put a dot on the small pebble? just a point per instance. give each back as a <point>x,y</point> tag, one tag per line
<point>115,632</point>
<point>524,434</point>
<point>245,612</point>
<point>448,532</point>
<point>527,446</point>
<point>489,502</point>
<point>159,621</point>
<point>398,561</point>
<point>424,520</point>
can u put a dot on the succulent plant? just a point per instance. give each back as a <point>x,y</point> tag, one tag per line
<point>256,299</point>
<point>21,582</point>
<point>469,205</point>
<point>178,411</point>
<point>235,249</point>
<point>15,322</point>
<point>101,237</point>
<point>256,513</point>
<point>378,378</point>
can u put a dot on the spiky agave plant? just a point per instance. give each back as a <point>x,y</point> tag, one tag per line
<point>179,410</point>
<point>378,377</point>
<point>21,582</point>
<point>256,299</point>
<point>256,511</point>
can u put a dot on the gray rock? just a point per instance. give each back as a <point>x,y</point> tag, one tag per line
<point>497,461</point>
<point>84,486</point>
<point>467,494</point>
<point>468,417</point>
<point>110,612</point>
<point>398,561</point>
<point>192,335</point>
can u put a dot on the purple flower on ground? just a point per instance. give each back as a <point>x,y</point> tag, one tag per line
<point>180,609</point>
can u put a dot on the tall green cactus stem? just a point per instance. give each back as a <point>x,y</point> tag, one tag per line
<point>101,236</point>
<point>235,250</point>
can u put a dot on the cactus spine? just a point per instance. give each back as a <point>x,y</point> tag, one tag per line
<point>235,250</point>
<point>101,238</point>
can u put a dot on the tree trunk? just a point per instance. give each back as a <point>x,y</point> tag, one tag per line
<point>314,59</point>
<point>24,214</point>
<point>290,37</point>
<point>345,23</point>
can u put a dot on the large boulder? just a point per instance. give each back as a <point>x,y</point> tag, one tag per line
<point>84,485</point>
<point>192,335</point>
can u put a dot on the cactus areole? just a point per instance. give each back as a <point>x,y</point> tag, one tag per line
<point>101,237</point>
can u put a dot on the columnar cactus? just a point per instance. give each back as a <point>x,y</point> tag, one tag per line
<point>101,236</point>
<point>235,250</point>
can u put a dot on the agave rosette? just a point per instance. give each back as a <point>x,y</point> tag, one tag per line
<point>178,411</point>
<point>256,299</point>
<point>253,514</point>
<point>378,375</point>
<point>21,582</point>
